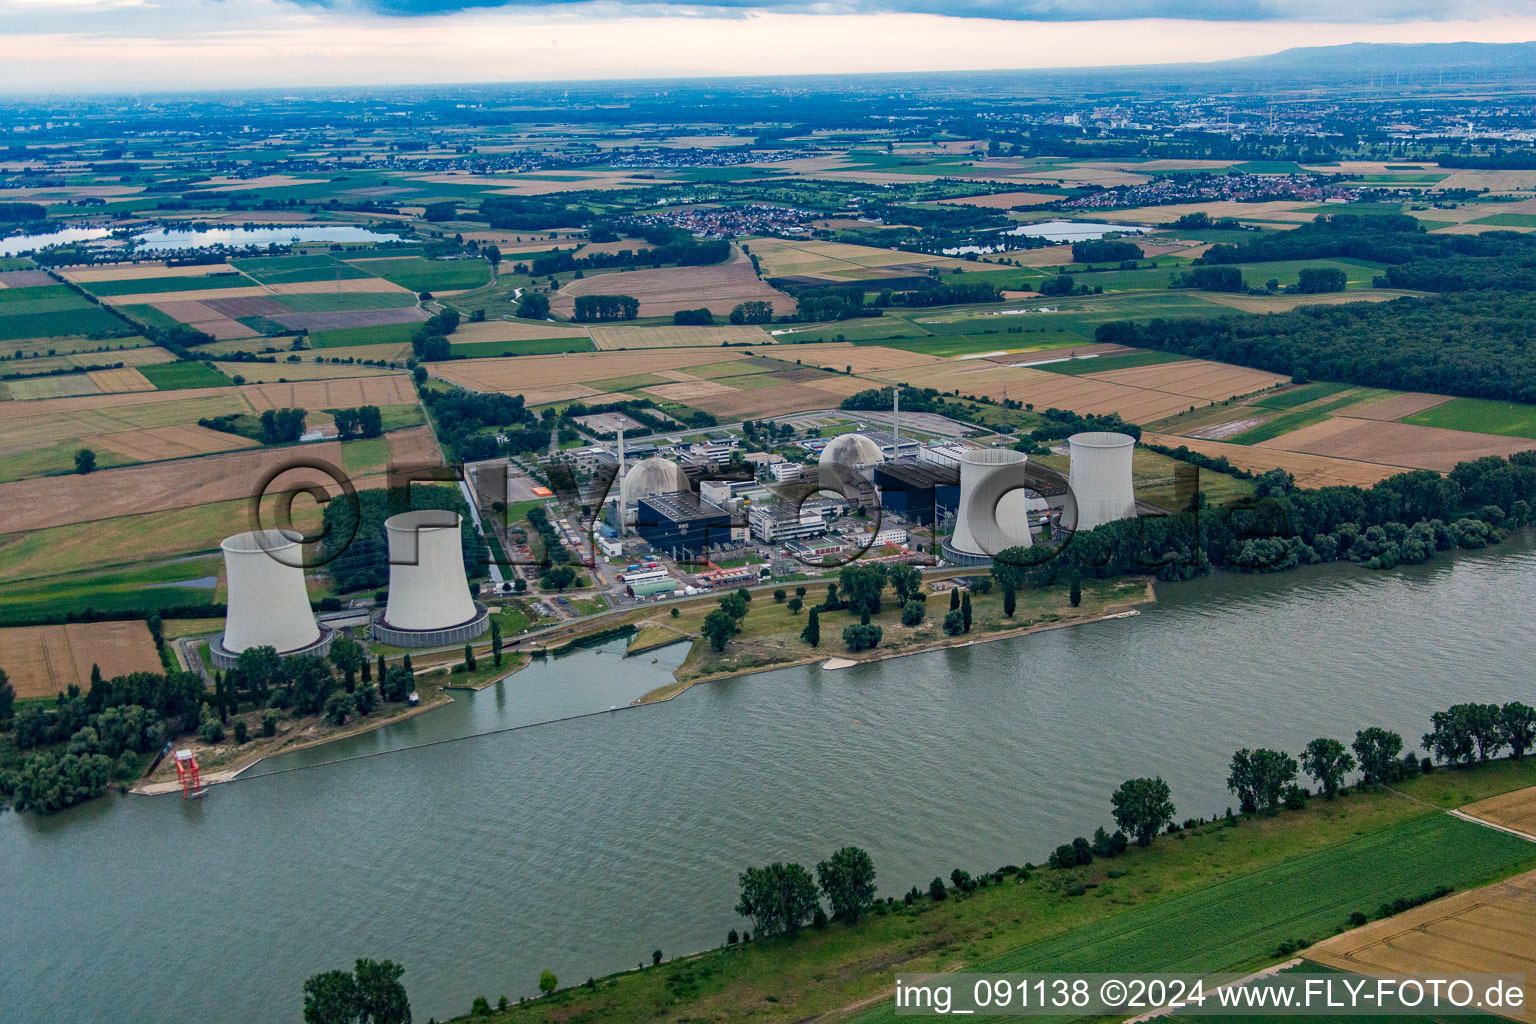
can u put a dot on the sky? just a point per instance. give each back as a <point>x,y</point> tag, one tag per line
<point>52,46</point>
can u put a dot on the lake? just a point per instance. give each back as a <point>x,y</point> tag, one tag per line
<point>584,844</point>
<point>237,237</point>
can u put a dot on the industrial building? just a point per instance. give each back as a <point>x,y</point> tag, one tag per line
<point>268,604</point>
<point>429,600</point>
<point>850,450</point>
<point>681,522</point>
<point>784,521</point>
<point>915,491</point>
<point>1100,477</point>
<point>892,445</point>
<point>652,476</point>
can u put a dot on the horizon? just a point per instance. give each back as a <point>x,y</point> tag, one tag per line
<point>127,47</point>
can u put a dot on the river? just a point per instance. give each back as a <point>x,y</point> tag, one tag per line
<point>582,845</point>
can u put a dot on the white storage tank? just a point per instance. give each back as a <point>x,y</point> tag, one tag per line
<point>1100,477</point>
<point>429,600</point>
<point>268,605</point>
<point>994,505</point>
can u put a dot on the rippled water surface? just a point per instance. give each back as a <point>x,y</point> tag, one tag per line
<point>582,845</point>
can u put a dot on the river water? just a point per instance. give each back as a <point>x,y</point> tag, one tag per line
<point>582,845</point>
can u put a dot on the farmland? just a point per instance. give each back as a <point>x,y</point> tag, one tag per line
<point>44,660</point>
<point>665,291</point>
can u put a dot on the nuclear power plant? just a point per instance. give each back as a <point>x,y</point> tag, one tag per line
<point>1100,477</point>
<point>851,450</point>
<point>268,605</point>
<point>994,507</point>
<point>429,600</point>
<point>652,476</point>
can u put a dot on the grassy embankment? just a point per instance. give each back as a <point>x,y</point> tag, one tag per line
<point>1216,897</point>
<point>770,633</point>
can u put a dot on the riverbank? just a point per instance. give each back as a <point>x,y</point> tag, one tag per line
<point>1298,875</point>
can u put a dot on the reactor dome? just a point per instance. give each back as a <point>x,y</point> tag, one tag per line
<point>653,476</point>
<point>851,450</point>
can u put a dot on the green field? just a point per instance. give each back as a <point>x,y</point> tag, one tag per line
<point>1509,220</point>
<point>1302,395</point>
<point>340,302</point>
<point>421,275</point>
<point>187,374</point>
<point>1237,924</point>
<point>153,285</point>
<point>389,334</point>
<point>91,321</point>
<point>292,269</point>
<point>365,455</point>
<point>136,589</point>
<point>9,263</point>
<point>530,347</point>
<point>148,315</point>
<point>11,297</point>
<point>58,458</point>
<point>1511,419</point>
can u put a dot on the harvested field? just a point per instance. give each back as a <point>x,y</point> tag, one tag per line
<point>1286,303</point>
<point>1288,210</point>
<point>769,401</point>
<point>110,382</point>
<point>38,388</point>
<point>262,373</point>
<point>532,373</point>
<point>130,490</point>
<point>664,291</point>
<point>618,245</point>
<point>259,304</point>
<point>48,422</point>
<point>45,660</point>
<point>132,271</point>
<point>862,358</point>
<point>1402,445</point>
<point>153,444</point>
<point>1309,470</point>
<point>1195,378</point>
<point>515,330</point>
<point>1487,930</point>
<point>686,391</point>
<point>840,261</point>
<point>191,295</point>
<point>1515,810</point>
<point>564,393</point>
<point>26,279</point>
<point>390,389</point>
<point>1002,200</point>
<point>1397,406</point>
<point>621,336</point>
<point>414,446</point>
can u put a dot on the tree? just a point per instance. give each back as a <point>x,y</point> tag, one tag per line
<point>862,636</point>
<point>954,622</point>
<point>85,461</point>
<point>1519,721</point>
<point>339,707</point>
<point>1259,777</point>
<point>1453,737</point>
<point>1327,761</point>
<point>905,580</point>
<point>795,604</point>
<point>936,890</point>
<point>862,583</point>
<point>778,898</point>
<point>1142,808</point>
<point>913,613</point>
<point>965,611</point>
<point>847,879</point>
<point>1075,592</point>
<point>1377,750</point>
<point>381,997</point>
<point>811,634</point>
<point>954,600</point>
<point>547,981</point>
<point>780,595</point>
<point>331,998</point>
<point>533,305</point>
<point>1010,602</point>
<point>7,700</point>
<point>496,641</point>
<point>719,626</point>
<point>348,655</point>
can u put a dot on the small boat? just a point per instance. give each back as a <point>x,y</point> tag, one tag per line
<point>655,660</point>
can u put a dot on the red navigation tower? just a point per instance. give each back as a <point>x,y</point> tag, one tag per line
<point>187,775</point>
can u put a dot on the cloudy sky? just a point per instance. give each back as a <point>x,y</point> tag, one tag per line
<point>124,45</point>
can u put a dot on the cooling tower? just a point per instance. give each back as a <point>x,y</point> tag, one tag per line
<point>652,476</point>
<point>1100,477</point>
<point>992,506</point>
<point>851,450</point>
<point>429,601</point>
<point>268,605</point>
